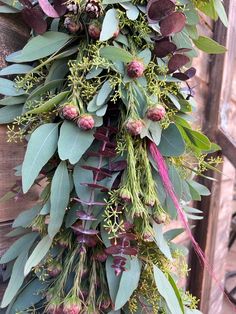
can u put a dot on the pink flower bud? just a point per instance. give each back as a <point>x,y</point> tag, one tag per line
<point>135,69</point>
<point>86,122</point>
<point>134,127</point>
<point>125,195</point>
<point>69,112</point>
<point>72,306</point>
<point>94,30</point>
<point>54,269</point>
<point>156,113</point>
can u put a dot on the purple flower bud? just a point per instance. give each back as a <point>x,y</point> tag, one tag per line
<point>135,69</point>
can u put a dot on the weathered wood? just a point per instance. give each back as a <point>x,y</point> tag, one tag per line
<point>209,231</point>
<point>13,36</point>
<point>228,146</point>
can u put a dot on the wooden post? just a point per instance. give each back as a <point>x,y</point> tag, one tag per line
<point>212,232</point>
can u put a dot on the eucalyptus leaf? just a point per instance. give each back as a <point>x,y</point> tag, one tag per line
<point>16,69</point>
<point>22,244</point>
<point>103,94</point>
<point>41,147</point>
<point>28,296</point>
<point>81,175</point>
<point>49,104</point>
<point>208,45</point>
<point>38,254</point>
<point>172,143</point>
<point>8,9</point>
<point>60,194</point>
<point>9,88</point>
<point>167,292</point>
<point>161,241</point>
<point>201,189</point>
<point>73,142</point>
<point>17,279</point>
<point>219,7</point>
<point>131,276</point>
<point>25,218</point>
<point>42,89</point>
<point>40,47</point>
<point>110,25</point>
<point>9,113</point>
<point>115,53</point>
<point>10,101</point>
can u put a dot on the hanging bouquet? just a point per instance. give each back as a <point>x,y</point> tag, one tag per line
<point>101,98</point>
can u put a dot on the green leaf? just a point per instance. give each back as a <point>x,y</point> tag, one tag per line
<point>42,89</point>
<point>115,53</point>
<point>125,290</point>
<point>103,94</point>
<point>110,25</point>
<point>198,139</point>
<point>13,3</point>
<point>38,254</point>
<point>174,100</point>
<point>22,244</point>
<point>201,189</point>
<point>40,47</point>
<point>16,69</point>
<point>132,11</point>
<point>60,194</point>
<point>17,279</point>
<point>10,101</point>
<point>28,296</point>
<point>208,8</point>
<point>8,9</point>
<point>73,142</point>
<point>9,113</point>
<point>177,293</point>
<point>161,241</point>
<point>219,7</point>
<point>173,233</point>
<point>209,45</point>
<point>146,56</point>
<point>50,104</point>
<point>81,175</point>
<point>167,292</point>
<point>41,147</point>
<point>155,130</point>
<point>8,88</point>
<point>172,143</point>
<point>25,218</point>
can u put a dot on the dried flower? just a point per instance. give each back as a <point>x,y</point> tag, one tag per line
<point>156,113</point>
<point>134,127</point>
<point>86,122</point>
<point>135,69</point>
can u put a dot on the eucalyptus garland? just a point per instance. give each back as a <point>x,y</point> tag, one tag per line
<point>101,96</point>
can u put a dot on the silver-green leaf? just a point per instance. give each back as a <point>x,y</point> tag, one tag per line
<point>42,145</point>
<point>60,193</point>
<point>73,142</point>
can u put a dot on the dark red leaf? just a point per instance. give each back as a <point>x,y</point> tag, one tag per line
<point>97,170</point>
<point>181,76</point>
<point>157,9</point>
<point>60,7</point>
<point>173,23</point>
<point>191,72</point>
<point>177,61</point>
<point>95,186</point>
<point>34,18</point>
<point>89,240</point>
<point>89,203</point>
<point>118,165</point>
<point>84,216</point>
<point>79,229</point>
<point>163,47</point>
<point>183,50</point>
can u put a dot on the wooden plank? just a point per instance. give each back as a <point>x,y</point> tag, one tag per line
<point>208,230</point>
<point>228,146</point>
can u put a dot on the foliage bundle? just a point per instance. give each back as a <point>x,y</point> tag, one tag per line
<point>101,95</point>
